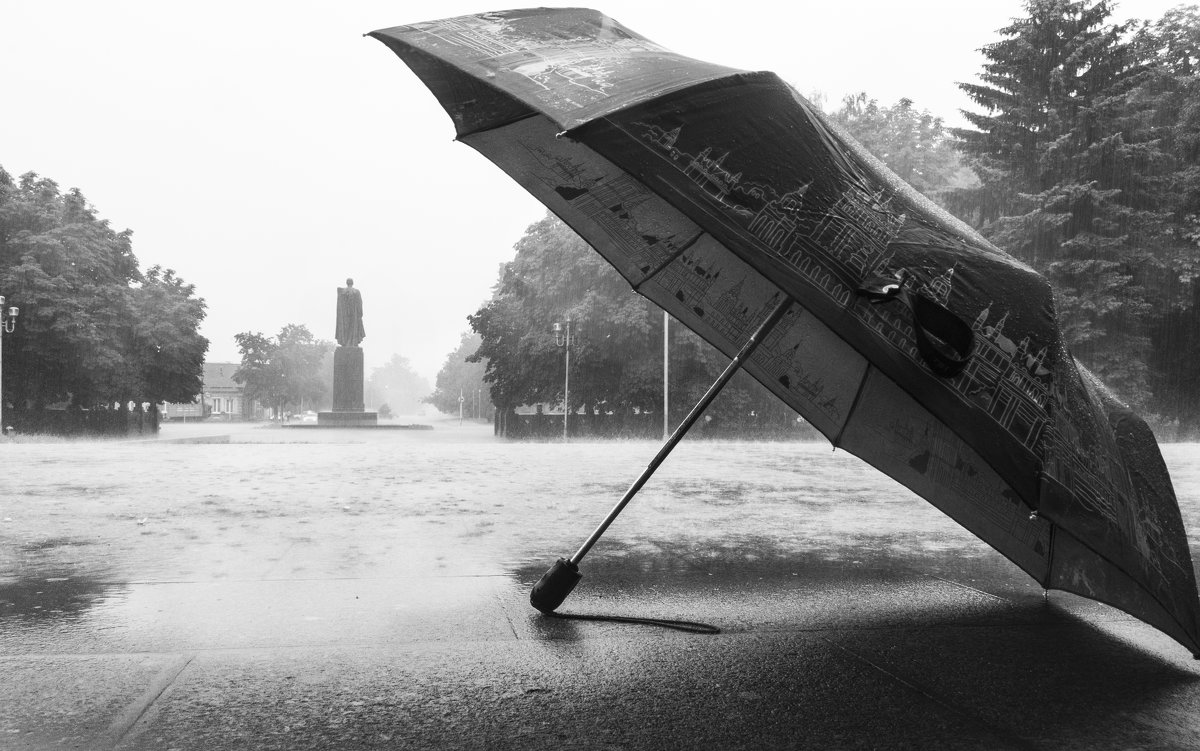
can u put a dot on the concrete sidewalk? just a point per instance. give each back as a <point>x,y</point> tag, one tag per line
<point>372,592</point>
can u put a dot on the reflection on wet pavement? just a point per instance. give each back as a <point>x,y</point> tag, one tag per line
<point>51,594</point>
<point>111,525</point>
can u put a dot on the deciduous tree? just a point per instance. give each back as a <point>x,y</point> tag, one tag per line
<point>93,329</point>
<point>914,144</point>
<point>283,371</point>
<point>461,376</point>
<point>397,385</point>
<point>616,354</point>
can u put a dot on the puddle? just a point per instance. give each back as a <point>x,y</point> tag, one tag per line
<point>52,594</point>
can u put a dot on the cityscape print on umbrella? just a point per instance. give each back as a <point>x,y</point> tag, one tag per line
<point>833,241</point>
<point>562,70</point>
<point>850,238</point>
<point>659,252</point>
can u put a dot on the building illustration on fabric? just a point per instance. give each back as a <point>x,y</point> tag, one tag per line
<point>938,454</point>
<point>714,289</point>
<point>564,67</point>
<point>849,239</point>
<point>833,247</point>
<point>612,203</point>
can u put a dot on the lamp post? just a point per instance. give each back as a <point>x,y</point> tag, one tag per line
<point>666,379</point>
<point>8,324</point>
<point>562,337</point>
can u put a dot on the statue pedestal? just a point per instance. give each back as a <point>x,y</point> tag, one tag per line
<point>347,391</point>
<point>347,419</point>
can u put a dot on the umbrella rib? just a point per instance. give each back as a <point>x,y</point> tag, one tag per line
<point>862,385</point>
<point>669,260</point>
<point>1053,533</point>
<point>498,125</point>
<point>1168,611</point>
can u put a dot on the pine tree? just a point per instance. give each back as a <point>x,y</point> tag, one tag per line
<point>1169,102</point>
<point>1067,169</point>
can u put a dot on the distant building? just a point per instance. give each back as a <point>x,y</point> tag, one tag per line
<point>221,398</point>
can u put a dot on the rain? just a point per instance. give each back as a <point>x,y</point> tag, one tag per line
<point>750,407</point>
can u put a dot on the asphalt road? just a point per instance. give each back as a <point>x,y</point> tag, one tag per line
<point>230,587</point>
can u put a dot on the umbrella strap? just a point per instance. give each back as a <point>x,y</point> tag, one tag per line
<point>691,627</point>
<point>944,340</point>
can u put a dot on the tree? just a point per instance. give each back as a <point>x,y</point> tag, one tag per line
<point>1167,100</point>
<point>1066,176</point>
<point>461,376</point>
<point>284,371</point>
<point>166,348</point>
<point>555,276</point>
<point>261,372</point>
<point>616,356</point>
<point>93,329</point>
<point>915,145</point>
<point>397,385</point>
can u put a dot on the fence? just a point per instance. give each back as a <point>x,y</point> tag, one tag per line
<point>542,426</point>
<point>117,423</point>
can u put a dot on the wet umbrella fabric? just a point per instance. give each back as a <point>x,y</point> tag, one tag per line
<point>907,339</point>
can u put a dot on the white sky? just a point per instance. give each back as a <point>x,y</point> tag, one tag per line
<point>267,150</point>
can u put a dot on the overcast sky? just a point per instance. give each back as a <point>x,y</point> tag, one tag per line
<point>267,151</point>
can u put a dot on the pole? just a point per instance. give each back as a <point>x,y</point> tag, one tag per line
<point>2,432</point>
<point>734,365</point>
<point>666,380</point>
<point>567,381</point>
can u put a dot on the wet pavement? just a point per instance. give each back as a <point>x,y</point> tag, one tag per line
<point>242,587</point>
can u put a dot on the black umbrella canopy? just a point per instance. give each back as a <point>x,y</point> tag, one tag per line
<point>907,339</point>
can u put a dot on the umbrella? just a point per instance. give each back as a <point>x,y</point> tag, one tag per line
<point>892,327</point>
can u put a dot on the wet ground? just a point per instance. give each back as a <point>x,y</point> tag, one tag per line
<point>241,587</point>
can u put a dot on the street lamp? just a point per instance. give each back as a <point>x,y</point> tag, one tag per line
<point>666,378</point>
<point>8,324</point>
<point>562,338</point>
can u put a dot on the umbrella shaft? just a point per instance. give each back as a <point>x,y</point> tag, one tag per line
<point>734,365</point>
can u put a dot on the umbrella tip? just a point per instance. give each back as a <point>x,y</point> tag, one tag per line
<point>555,585</point>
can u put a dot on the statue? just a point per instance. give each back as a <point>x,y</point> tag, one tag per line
<point>349,330</point>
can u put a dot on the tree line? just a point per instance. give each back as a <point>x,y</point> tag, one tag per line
<point>94,330</point>
<point>1083,161</point>
<point>96,333</point>
<point>292,372</point>
<point>616,353</point>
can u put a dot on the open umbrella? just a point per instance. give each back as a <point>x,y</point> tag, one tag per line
<point>892,327</point>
